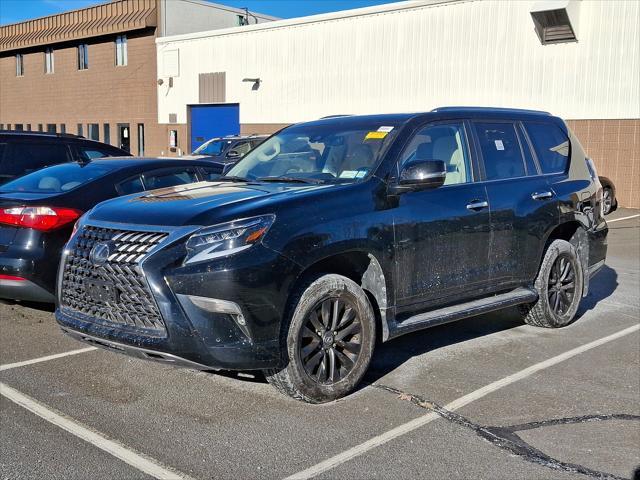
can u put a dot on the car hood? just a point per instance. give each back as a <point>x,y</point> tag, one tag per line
<point>200,203</point>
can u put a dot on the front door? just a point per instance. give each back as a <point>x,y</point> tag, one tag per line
<point>442,235</point>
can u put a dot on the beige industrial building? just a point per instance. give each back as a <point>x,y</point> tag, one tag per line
<point>579,59</point>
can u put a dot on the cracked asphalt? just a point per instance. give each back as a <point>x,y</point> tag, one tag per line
<point>575,419</point>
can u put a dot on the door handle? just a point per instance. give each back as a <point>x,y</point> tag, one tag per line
<point>541,195</point>
<point>477,205</point>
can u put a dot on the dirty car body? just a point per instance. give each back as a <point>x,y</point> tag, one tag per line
<point>209,275</point>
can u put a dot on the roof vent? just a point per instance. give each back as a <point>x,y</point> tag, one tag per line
<point>556,21</point>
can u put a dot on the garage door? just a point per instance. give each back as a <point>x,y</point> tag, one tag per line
<point>208,121</point>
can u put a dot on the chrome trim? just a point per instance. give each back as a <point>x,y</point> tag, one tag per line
<point>477,205</point>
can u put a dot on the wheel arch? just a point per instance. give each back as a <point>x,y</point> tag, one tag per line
<point>575,233</point>
<point>364,269</point>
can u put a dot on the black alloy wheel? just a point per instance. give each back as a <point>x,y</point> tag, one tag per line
<point>561,285</point>
<point>330,340</point>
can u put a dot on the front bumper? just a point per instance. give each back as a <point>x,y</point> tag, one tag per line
<point>194,335</point>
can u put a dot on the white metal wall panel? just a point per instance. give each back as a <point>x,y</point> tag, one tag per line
<point>462,53</point>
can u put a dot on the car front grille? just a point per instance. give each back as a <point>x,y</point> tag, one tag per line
<point>134,305</point>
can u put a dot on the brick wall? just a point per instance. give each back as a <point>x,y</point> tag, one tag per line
<point>101,94</point>
<point>614,146</point>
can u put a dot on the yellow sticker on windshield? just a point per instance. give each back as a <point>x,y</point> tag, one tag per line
<point>376,135</point>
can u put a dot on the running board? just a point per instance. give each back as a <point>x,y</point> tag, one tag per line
<point>463,310</point>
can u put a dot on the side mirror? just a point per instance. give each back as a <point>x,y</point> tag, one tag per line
<point>233,154</point>
<point>420,175</point>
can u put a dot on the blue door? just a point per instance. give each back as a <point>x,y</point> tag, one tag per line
<point>208,121</point>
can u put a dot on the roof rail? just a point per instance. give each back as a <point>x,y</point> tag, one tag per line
<point>47,134</point>
<point>490,109</point>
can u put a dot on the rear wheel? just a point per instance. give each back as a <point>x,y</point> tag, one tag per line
<point>328,343</point>
<point>559,286</point>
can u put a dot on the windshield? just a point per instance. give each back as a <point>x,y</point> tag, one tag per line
<point>326,152</point>
<point>212,147</point>
<point>58,178</point>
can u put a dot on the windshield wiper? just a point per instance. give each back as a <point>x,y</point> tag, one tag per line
<point>290,180</point>
<point>231,178</point>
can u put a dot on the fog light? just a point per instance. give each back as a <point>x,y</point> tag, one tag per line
<point>215,305</point>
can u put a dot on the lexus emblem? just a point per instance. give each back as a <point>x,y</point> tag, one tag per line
<point>99,253</point>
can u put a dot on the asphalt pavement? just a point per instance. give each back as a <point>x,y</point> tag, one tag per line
<point>485,397</point>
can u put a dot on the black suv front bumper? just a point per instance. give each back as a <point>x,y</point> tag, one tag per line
<point>199,329</point>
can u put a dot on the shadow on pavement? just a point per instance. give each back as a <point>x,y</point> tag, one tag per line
<point>600,287</point>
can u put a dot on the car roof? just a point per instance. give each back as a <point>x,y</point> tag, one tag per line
<point>47,135</point>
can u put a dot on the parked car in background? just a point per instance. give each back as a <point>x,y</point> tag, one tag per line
<point>336,233</point>
<point>38,211</point>
<point>25,152</point>
<point>226,151</point>
<point>609,201</point>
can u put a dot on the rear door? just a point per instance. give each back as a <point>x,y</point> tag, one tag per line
<point>523,206</point>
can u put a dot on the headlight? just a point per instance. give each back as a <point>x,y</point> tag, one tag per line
<point>227,238</point>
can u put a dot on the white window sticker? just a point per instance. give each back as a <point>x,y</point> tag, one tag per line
<point>499,145</point>
<point>385,129</point>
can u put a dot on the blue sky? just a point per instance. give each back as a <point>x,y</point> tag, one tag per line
<point>12,11</point>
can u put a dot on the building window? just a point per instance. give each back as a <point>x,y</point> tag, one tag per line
<point>8,126</point>
<point>93,129</point>
<point>141,139</point>
<point>28,127</point>
<point>39,127</point>
<point>51,128</point>
<point>121,50</point>
<point>83,56</point>
<point>80,130</point>
<point>63,128</point>
<point>18,127</point>
<point>48,60</point>
<point>106,138</point>
<point>19,65</point>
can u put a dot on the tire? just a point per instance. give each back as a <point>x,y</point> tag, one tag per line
<point>557,302</point>
<point>327,301</point>
<point>608,201</point>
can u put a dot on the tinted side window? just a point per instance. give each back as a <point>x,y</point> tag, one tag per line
<point>500,150</point>
<point>131,185</point>
<point>27,157</point>
<point>551,146</point>
<point>444,142</point>
<point>211,173</point>
<point>90,153</point>
<point>169,178</point>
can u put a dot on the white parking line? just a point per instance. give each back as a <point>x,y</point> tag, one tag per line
<point>374,442</point>
<point>143,463</point>
<point>9,366</point>
<point>623,218</point>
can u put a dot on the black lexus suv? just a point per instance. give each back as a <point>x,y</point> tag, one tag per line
<point>337,233</point>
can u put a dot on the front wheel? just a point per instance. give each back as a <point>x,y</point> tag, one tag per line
<point>328,343</point>
<point>559,285</point>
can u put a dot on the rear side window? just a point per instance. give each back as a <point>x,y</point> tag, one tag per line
<point>169,178</point>
<point>131,185</point>
<point>211,173</point>
<point>551,146</point>
<point>27,157</point>
<point>91,153</point>
<point>500,150</point>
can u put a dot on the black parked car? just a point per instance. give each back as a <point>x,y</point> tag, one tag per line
<point>25,152</point>
<point>38,210</point>
<point>226,151</point>
<point>336,233</point>
<point>609,201</point>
